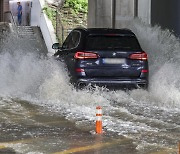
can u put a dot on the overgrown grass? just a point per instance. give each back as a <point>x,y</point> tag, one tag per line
<point>77,5</point>
<point>51,13</point>
<point>72,14</point>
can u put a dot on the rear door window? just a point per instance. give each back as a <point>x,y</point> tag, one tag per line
<point>72,40</point>
<point>75,38</point>
<point>117,42</point>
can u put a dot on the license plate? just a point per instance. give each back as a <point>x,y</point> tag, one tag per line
<point>113,61</point>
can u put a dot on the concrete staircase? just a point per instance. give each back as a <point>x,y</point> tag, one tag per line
<point>23,38</point>
<point>34,37</point>
<point>26,31</point>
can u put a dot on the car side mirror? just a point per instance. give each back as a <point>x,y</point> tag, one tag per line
<point>56,46</point>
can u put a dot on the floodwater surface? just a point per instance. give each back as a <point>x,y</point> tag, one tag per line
<point>41,112</point>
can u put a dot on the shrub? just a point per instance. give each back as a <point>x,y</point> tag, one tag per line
<point>77,5</point>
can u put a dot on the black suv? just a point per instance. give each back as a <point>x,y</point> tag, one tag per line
<point>104,57</point>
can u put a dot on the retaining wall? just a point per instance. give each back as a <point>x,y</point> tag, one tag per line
<point>40,19</point>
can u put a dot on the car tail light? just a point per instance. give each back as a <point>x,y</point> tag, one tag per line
<point>144,71</point>
<point>79,70</point>
<point>139,56</point>
<point>85,55</point>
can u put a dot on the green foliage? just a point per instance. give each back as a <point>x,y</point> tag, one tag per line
<point>77,5</point>
<point>51,13</point>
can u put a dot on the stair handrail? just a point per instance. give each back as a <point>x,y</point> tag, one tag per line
<point>13,22</point>
<point>12,17</point>
<point>58,20</point>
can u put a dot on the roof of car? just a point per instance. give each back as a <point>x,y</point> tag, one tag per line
<point>98,31</point>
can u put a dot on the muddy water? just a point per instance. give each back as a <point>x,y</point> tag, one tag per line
<point>42,113</point>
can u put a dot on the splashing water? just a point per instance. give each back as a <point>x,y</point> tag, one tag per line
<point>44,82</point>
<point>164,58</point>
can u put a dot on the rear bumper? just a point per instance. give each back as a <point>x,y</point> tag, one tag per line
<point>129,83</point>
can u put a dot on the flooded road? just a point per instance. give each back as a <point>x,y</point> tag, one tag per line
<point>32,129</point>
<point>42,113</point>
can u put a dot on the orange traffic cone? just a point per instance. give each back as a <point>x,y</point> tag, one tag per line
<point>99,120</point>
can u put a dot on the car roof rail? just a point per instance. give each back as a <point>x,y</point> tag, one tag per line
<point>126,29</point>
<point>81,27</point>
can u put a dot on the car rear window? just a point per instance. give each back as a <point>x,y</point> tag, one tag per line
<point>106,42</point>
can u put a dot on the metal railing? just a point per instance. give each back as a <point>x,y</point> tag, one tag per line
<point>5,27</point>
<point>8,17</point>
<point>4,31</point>
<point>65,23</point>
<point>59,27</point>
<point>62,30</point>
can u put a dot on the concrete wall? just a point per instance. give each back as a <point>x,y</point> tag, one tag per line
<point>1,10</point>
<point>36,12</point>
<point>39,18</point>
<point>178,19</point>
<point>91,13</point>
<point>4,6</point>
<point>101,13</point>
<point>144,10</point>
<point>166,13</point>
<point>125,12</point>
<point>6,16</point>
<point>25,10</point>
